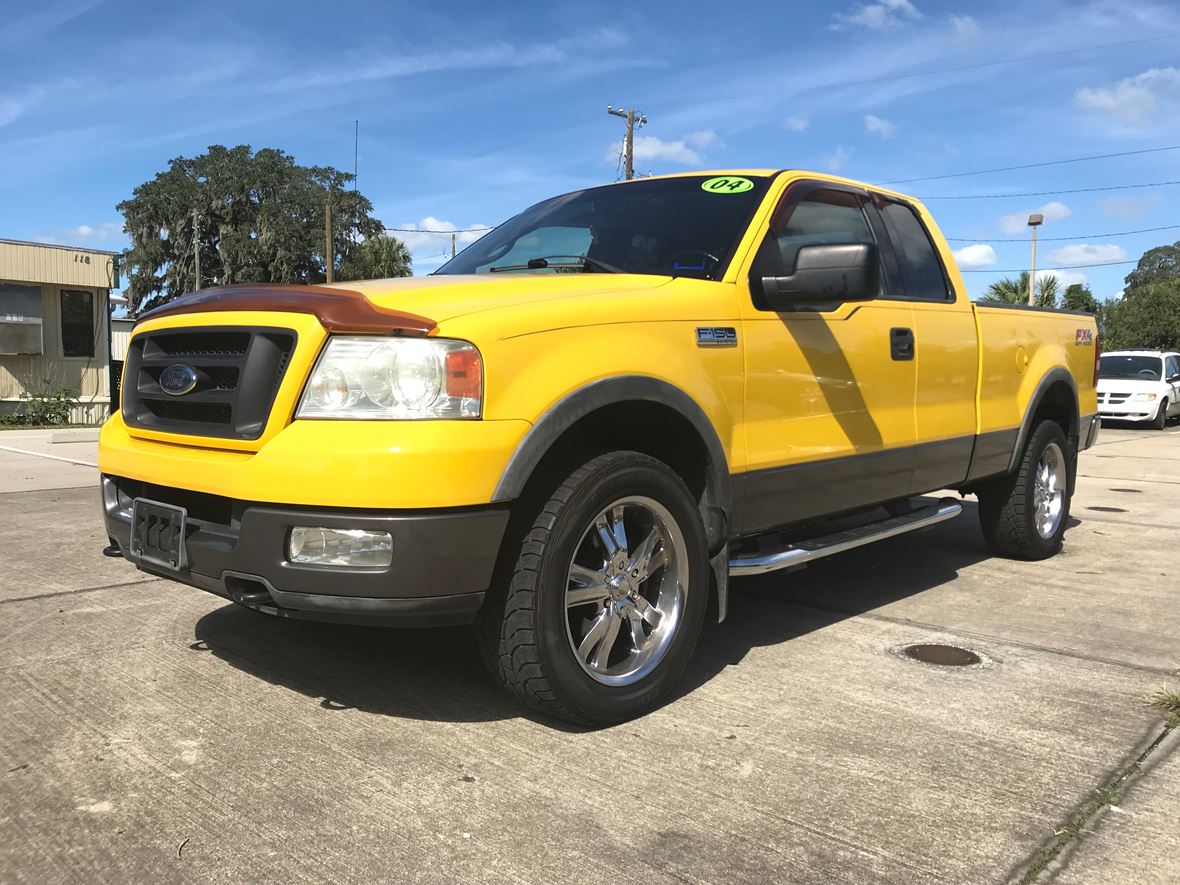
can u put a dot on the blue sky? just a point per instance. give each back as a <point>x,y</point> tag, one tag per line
<point>471,111</point>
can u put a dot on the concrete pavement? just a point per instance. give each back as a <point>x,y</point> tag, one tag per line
<point>152,732</point>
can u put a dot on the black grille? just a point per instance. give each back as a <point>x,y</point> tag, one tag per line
<point>238,374</point>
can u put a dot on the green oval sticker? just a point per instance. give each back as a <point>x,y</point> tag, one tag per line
<point>726,184</point>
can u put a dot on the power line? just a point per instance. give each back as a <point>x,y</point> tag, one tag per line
<point>1175,147</point>
<point>956,69</point>
<point>1047,269</point>
<point>1117,233</point>
<point>418,230</point>
<point>1077,190</point>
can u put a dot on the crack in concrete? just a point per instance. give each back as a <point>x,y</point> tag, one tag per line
<point>76,592</point>
<point>1065,840</point>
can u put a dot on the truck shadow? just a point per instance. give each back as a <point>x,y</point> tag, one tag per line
<point>436,674</point>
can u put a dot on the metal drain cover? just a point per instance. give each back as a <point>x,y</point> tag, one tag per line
<point>942,655</point>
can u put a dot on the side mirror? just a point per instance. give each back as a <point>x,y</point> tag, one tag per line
<point>1172,379</point>
<point>825,276</point>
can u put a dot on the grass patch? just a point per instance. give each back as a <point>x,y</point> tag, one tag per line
<point>1167,700</point>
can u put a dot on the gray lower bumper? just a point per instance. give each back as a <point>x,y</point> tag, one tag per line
<point>442,559</point>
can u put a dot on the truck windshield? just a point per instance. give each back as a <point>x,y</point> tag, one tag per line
<point>663,226</point>
<point>1142,368</point>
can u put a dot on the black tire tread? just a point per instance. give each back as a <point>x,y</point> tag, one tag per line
<point>1004,512</point>
<point>512,649</point>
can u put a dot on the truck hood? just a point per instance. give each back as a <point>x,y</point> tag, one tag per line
<point>1128,385</point>
<point>445,297</point>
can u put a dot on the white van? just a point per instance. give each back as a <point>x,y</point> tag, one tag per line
<point>1139,385</point>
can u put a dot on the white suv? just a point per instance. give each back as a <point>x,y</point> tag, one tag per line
<point>1139,385</point>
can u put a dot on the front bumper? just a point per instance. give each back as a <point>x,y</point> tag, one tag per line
<point>442,559</point>
<point>1129,411</point>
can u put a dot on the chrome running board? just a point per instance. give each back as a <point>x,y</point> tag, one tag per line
<point>802,552</point>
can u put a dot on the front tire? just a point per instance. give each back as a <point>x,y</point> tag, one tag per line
<point>1024,515</point>
<point>608,596</point>
<point>1161,418</point>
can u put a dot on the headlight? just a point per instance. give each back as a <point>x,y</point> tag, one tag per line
<point>394,378</point>
<point>1143,397</point>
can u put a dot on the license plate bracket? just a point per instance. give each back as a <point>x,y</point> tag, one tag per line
<point>157,534</point>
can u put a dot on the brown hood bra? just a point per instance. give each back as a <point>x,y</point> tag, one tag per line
<point>338,310</point>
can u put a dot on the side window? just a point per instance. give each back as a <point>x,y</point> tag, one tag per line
<point>77,323</point>
<point>921,270</point>
<point>1173,366</point>
<point>823,217</point>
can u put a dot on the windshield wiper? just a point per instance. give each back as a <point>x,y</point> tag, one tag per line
<point>542,263</point>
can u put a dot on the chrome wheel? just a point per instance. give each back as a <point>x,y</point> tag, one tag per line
<point>1049,483</point>
<point>625,590</point>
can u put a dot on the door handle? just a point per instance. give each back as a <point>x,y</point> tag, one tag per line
<point>901,343</point>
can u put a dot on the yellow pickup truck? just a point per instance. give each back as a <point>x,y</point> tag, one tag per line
<point>574,433</point>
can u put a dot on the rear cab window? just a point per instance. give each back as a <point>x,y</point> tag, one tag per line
<point>922,273</point>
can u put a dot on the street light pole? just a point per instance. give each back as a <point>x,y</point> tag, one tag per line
<point>1034,221</point>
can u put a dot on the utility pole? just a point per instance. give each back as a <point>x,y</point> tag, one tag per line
<point>452,245</point>
<point>197,247</point>
<point>1034,221</point>
<point>634,121</point>
<point>329,253</point>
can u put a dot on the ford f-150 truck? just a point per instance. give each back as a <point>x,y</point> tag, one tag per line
<point>574,433</point>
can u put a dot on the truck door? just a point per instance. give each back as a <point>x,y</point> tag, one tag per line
<point>829,406</point>
<point>946,350</point>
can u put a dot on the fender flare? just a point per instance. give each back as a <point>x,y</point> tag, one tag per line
<point>1054,375</point>
<point>717,503</point>
<point>607,392</point>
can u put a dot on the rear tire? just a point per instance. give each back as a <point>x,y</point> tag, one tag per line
<point>1161,417</point>
<point>595,637</point>
<point>1024,514</point>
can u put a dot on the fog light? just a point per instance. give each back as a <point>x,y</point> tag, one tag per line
<point>311,545</point>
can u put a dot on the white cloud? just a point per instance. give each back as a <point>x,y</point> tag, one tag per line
<point>964,25</point>
<point>975,257</point>
<point>876,16</point>
<point>489,56</point>
<point>796,124</point>
<point>685,151</point>
<point>837,159</point>
<point>1133,101</point>
<point>703,139</point>
<point>102,233</point>
<point>879,126</point>
<point>1087,253</point>
<point>430,235</point>
<point>1065,278</point>
<point>1017,222</point>
<point>1130,207</point>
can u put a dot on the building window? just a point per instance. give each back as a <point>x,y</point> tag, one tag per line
<point>77,323</point>
<point>20,320</point>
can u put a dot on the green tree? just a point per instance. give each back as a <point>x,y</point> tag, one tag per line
<point>254,217</point>
<point>1158,265</point>
<point>1148,321</point>
<point>378,258</point>
<point>1148,315</point>
<point>1079,297</point>
<point>1015,291</point>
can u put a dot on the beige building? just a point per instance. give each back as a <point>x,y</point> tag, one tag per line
<point>55,324</point>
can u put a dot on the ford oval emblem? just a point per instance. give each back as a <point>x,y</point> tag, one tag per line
<point>178,379</point>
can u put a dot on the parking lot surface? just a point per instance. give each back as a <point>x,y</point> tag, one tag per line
<point>153,732</point>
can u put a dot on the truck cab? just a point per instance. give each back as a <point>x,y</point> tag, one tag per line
<point>578,430</point>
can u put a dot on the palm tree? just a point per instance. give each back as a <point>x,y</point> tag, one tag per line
<point>1015,291</point>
